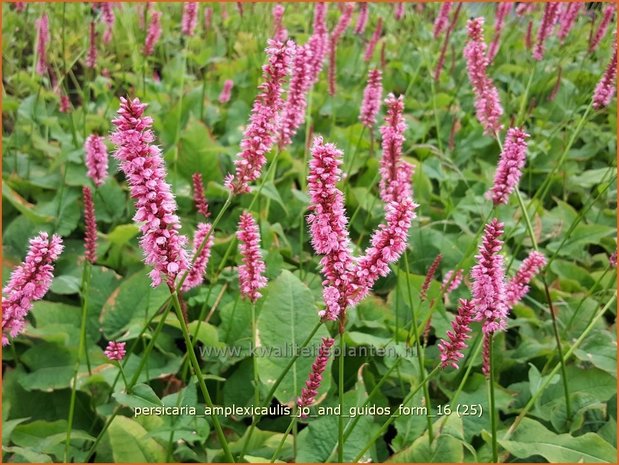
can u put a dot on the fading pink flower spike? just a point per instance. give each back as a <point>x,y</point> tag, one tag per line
<point>551,12</point>
<point>90,223</point>
<point>607,17</point>
<point>195,277</point>
<point>509,170</point>
<point>29,282</point>
<point>260,133</point>
<point>42,27</point>
<point>488,277</point>
<point>91,57</point>
<point>605,89</point>
<point>442,19</point>
<point>452,347</point>
<point>310,391</point>
<point>199,199</point>
<point>280,33</point>
<point>190,18</point>
<point>371,98</point>
<point>108,17</point>
<point>115,351</point>
<point>251,277</point>
<point>451,281</point>
<point>153,34</point>
<point>487,104</point>
<point>568,18</point>
<point>362,19</point>
<point>144,168</point>
<point>518,287</point>
<point>96,159</point>
<point>369,50</point>
<point>226,92</point>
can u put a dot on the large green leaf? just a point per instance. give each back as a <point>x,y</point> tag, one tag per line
<point>130,442</point>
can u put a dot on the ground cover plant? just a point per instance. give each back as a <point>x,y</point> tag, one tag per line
<point>309,232</point>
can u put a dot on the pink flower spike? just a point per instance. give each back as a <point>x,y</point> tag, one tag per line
<point>485,355</point>
<point>371,98</point>
<point>369,51</point>
<point>154,32</point>
<point>612,259</point>
<point>502,9</point>
<point>395,174</point>
<point>208,18</point>
<point>451,281</point>
<point>90,237</point>
<point>519,285</point>
<point>310,391</point>
<point>551,12</point>
<point>96,159</point>
<point>609,12</point>
<point>429,276</point>
<point>362,19</point>
<point>42,27</point>
<point>261,131</point>
<point>441,21</point>
<point>107,14</point>
<point>91,57</point>
<point>568,18</point>
<point>399,11</point>
<point>343,22</point>
<point>115,351</point>
<point>251,277</point>
<point>605,89</point>
<point>226,92</point>
<point>452,347</point>
<point>293,113</point>
<point>190,18</point>
<point>280,34</point>
<point>29,282</point>
<point>489,281</point>
<point>65,103</point>
<point>318,42</point>
<point>195,277</point>
<point>144,168</point>
<point>199,198</point>
<point>509,170</point>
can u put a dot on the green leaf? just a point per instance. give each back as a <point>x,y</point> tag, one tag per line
<point>142,395</point>
<point>23,206</point>
<point>130,442</point>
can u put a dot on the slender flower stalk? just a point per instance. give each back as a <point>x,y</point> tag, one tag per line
<point>369,50</point>
<point>605,89</point>
<point>487,104</point>
<point>251,277</point>
<point>42,26</point>
<point>154,32</point>
<point>29,282</point>
<point>450,29</point>
<point>568,18</point>
<point>338,31</point>
<point>199,199</point>
<point>108,17</point>
<point>518,287</point>
<point>423,294</point>
<point>371,98</point>
<point>190,18</point>
<point>509,170</point>
<point>362,19</point>
<point>551,11</point>
<point>451,281</point>
<point>144,168</point>
<point>280,33</point>
<point>528,38</point>
<point>90,236</point>
<point>310,391</point>
<point>91,57</point>
<point>195,277</point>
<point>441,21</point>
<point>226,92</point>
<point>452,347</point>
<point>318,42</point>
<point>115,351</point>
<point>489,281</point>
<point>260,133</point>
<point>502,10</point>
<point>96,159</point>
<point>293,112</point>
<point>607,17</point>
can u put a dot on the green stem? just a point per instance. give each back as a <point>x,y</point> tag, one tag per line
<point>283,441</point>
<point>340,398</point>
<point>254,342</point>
<point>493,413</point>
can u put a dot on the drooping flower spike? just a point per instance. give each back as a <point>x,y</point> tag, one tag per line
<point>442,19</point>
<point>115,351</point>
<point>371,98</point>
<point>29,282</point>
<point>605,88</point>
<point>452,347</point>
<point>607,17</point>
<point>509,170</point>
<point>144,168</point>
<point>362,19</point>
<point>429,277</point>
<point>568,18</point>
<point>310,391</point>
<point>251,272</point>
<point>96,159</point>
<point>518,287</point>
<point>195,277</point>
<point>451,281</point>
<point>199,199</point>
<point>369,50</point>
<point>90,226</point>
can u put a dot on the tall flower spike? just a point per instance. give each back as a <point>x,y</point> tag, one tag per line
<point>609,12</point>
<point>29,282</point>
<point>568,18</point>
<point>96,159</point>
<point>395,182</point>
<point>199,199</point>
<point>509,170</point>
<point>259,135</point>
<point>310,391</point>
<point>442,19</point>
<point>107,14</point>
<point>280,34</point>
<point>502,9</point>
<point>338,31</point>
<point>487,104</point>
<point>115,351</point>
<point>551,11</point>
<point>154,32</point>
<point>362,20</point>
<point>42,26</point>
<point>226,92</point>
<point>518,287</point>
<point>251,277</point>
<point>369,50</point>
<point>195,277</point>
<point>605,89</point>
<point>371,98</point>
<point>91,57</point>
<point>90,223</point>
<point>489,281</point>
<point>452,347</point>
<point>144,168</point>
<point>190,18</point>
<point>441,57</point>
<point>318,42</point>
<point>328,231</point>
